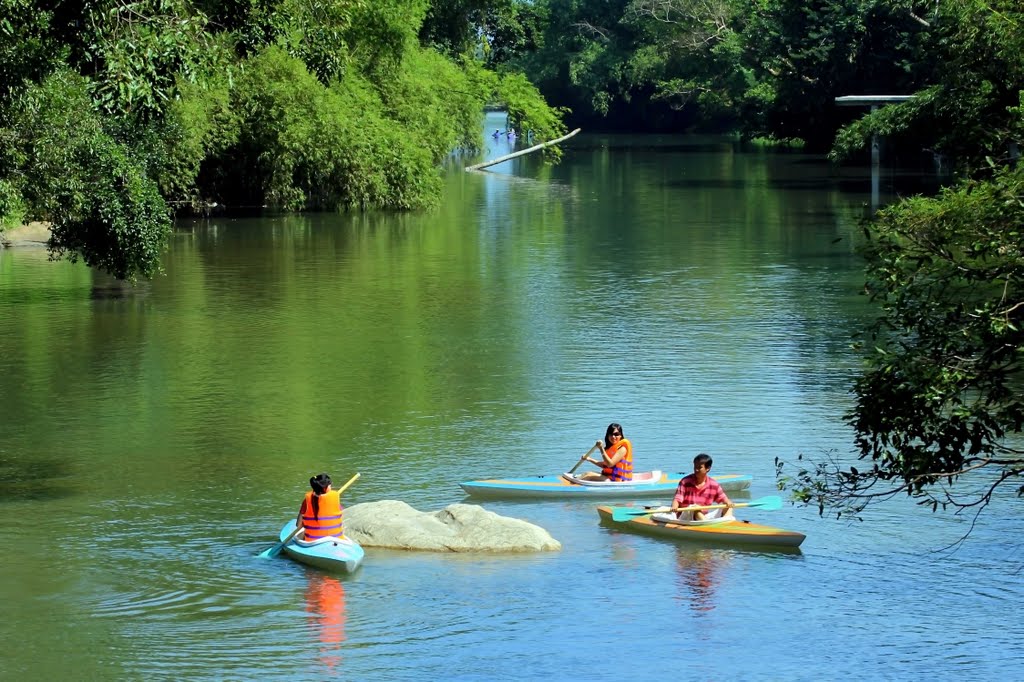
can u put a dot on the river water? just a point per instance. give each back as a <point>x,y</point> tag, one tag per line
<point>153,439</point>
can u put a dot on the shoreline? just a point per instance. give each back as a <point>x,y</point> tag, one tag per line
<point>34,234</point>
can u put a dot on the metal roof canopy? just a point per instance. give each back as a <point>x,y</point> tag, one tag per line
<point>873,101</point>
<point>870,100</point>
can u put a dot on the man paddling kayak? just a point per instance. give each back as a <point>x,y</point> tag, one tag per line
<point>699,489</point>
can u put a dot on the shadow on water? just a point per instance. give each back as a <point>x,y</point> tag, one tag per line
<point>41,479</point>
<point>851,185</point>
<point>108,288</point>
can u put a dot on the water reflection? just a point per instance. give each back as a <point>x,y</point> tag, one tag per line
<point>325,604</point>
<point>700,572</point>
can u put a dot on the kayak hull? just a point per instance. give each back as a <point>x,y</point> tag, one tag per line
<point>338,555</point>
<point>734,532</point>
<point>542,487</point>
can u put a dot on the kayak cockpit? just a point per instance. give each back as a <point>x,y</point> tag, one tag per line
<point>640,478</point>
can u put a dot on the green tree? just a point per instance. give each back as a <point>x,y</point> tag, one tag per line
<point>581,63</point>
<point>966,107</point>
<point>942,391</point>
<point>691,51</point>
<point>103,206</point>
<point>112,110</point>
<point>941,397</point>
<point>804,55</point>
<point>497,31</point>
<point>26,51</point>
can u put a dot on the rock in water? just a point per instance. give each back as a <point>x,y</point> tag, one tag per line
<point>456,528</point>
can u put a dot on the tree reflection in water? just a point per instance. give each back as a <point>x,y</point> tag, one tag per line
<point>325,604</point>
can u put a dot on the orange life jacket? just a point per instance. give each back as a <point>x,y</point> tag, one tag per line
<point>623,471</point>
<point>328,520</point>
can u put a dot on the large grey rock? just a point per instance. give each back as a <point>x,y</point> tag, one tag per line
<point>456,528</point>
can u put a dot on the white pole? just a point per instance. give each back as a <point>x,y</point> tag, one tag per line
<point>534,148</point>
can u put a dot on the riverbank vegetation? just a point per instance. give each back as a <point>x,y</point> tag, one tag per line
<point>114,115</point>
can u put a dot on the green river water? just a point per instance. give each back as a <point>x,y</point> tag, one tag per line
<point>153,439</point>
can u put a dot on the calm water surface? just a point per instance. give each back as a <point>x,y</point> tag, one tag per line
<point>154,439</point>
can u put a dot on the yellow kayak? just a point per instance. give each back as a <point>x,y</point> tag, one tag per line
<point>712,531</point>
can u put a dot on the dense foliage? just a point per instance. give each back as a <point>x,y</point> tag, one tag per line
<point>770,67</point>
<point>114,114</point>
<point>941,397</point>
<point>942,389</point>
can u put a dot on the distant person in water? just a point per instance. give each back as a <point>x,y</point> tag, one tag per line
<point>511,132</point>
<point>616,457</point>
<point>496,133</point>
<point>699,489</point>
<point>321,511</point>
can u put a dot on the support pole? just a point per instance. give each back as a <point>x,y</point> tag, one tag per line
<point>874,101</point>
<point>875,166</point>
<point>534,148</point>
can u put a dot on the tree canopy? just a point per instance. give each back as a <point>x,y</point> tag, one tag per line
<point>941,398</point>
<point>768,67</point>
<point>115,114</point>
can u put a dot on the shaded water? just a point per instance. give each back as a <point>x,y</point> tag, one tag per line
<point>153,440</point>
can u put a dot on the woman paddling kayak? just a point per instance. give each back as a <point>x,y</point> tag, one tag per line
<point>616,457</point>
<point>321,512</point>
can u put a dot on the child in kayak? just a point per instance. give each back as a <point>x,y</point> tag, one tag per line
<point>616,457</point>
<point>700,489</point>
<point>321,510</point>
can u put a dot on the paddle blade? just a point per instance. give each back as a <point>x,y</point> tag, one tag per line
<point>627,513</point>
<point>271,552</point>
<point>770,503</point>
<point>276,549</point>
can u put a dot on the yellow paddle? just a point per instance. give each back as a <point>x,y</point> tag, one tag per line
<point>584,457</point>
<point>769,503</point>
<point>272,552</point>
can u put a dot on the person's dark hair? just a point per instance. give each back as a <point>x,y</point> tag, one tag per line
<point>703,459</point>
<point>319,484</point>
<point>612,428</point>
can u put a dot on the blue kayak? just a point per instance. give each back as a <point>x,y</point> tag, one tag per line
<point>338,554</point>
<point>644,484</point>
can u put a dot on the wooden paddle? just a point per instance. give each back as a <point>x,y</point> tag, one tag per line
<point>584,457</point>
<point>272,552</point>
<point>770,503</point>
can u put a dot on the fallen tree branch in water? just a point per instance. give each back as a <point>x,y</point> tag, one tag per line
<point>534,148</point>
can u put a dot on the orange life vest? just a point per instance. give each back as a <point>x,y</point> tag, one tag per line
<point>623,471</point>
<point>328,520</point>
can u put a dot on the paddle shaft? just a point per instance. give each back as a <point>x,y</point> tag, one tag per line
<point>698,507</point>
<point>583,458</point>
<point>770,502</point>
<point>273,551</point>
